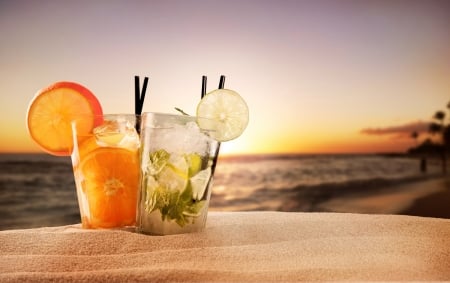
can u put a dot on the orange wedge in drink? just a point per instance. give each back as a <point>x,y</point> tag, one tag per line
<point>52,111</point>
<point>111,177</point>
<point>86,146</point>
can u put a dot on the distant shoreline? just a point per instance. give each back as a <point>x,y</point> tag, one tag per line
<point>427,198</point>
<point>258,156</point>
<point>265,154</point>
<point>433,205</point>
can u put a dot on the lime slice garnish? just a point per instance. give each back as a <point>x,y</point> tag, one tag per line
<point>224,113</point>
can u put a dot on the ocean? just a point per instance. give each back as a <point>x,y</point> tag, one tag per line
<point>38,190</point>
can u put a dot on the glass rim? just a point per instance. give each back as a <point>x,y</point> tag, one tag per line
<point>163,114</point>
<point>167,117</point>
<point>166,114</point>
<point>114,114</point>
<point>106,115</point>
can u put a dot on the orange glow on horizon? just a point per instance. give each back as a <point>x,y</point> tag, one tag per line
<point>320,144</point>
<point>305,140</point>
<point>281,145</point>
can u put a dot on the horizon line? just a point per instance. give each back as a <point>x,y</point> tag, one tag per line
<point>226,155</point>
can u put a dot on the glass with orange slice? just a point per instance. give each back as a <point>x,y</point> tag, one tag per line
<point>106,169</point>
<point>66,119</point>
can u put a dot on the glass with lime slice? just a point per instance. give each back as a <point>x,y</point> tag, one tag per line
<point>178,158</point>
<point>177,165</point>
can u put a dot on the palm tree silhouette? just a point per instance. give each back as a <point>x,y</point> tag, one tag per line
<point>434,128</point>
<point>415,136</point>
<point>423,160</point>
<point>439,127</point>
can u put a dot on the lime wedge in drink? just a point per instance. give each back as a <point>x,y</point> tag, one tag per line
<point>174,176</point>
<point>195,163</point>
<point>224,113</point>
<point>199,183</point>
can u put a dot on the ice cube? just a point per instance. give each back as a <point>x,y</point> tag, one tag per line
<point>179,139</point>
<point>117,133</point>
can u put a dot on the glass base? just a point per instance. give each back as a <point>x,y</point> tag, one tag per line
<point>152,224</point>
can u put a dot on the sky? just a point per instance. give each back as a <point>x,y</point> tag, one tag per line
<point>336,76</point>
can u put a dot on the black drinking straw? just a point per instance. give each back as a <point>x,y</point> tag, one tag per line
<point>137,94</point>
<point>139,97</point>
<point>204,79</point>
<point>222,82</point>
<point>203,86</point>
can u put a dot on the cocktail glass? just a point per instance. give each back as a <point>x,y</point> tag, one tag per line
<point>177,167</point>
<point>106,170</point>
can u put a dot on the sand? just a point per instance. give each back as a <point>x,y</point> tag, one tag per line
<point>238,247</point>
<point>434,205</point>
<point>425,198</point>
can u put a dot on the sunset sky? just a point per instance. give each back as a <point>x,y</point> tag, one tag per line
<point>318,76</point>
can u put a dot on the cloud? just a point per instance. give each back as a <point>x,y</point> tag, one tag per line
<point>404,130</point>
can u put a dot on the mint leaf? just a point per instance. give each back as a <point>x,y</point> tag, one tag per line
<point>175,202</point>
<point>158,160</point>
<point>173,205</point>
<point>181,111</point>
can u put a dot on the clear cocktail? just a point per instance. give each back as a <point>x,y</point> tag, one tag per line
<point>177,166</point>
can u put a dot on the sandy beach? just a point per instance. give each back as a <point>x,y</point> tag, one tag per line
<point>429,198</point>
<point>433,205</point>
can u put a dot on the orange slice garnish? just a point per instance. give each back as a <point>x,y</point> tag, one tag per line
<point>111,178</point>
<point>52,111</point>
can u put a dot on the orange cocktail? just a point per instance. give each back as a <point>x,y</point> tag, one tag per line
<point>106,169</point>
<point>66,119</point>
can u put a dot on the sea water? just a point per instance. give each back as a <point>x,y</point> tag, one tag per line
<point>295,182</point>
<point>39,190</point>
